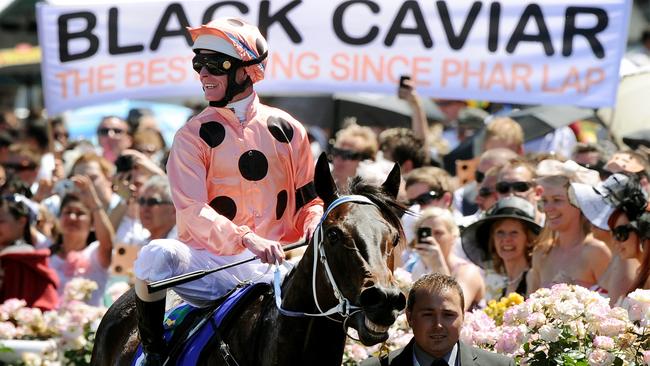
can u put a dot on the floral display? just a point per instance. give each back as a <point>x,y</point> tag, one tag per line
<point>496,309</point>
<point>567,325</point>
<point>399,335</point>
<point>563,325</point>
<point>71,327</point>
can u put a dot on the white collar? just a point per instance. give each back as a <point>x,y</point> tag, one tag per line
<point>240,107</point>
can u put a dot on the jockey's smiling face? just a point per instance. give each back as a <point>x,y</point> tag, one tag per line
<point>215,84</point>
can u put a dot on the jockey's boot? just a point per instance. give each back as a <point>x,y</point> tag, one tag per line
<point>150,326</point>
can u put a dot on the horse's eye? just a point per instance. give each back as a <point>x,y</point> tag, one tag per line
<point>396,240</point>
<point>334,235</point>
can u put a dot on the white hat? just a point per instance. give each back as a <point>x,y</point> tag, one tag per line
<point>214,43</point>
<point>598,202</point>
<point>569,169</point>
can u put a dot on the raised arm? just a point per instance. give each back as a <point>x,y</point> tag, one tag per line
<point>103,228</point>
<point>418,117</point>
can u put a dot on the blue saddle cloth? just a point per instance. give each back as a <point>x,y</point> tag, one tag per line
<point>202,332</point>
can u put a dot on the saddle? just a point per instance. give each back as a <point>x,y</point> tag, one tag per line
<point>190,330</point>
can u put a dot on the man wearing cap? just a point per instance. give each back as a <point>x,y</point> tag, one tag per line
<point>241,176</point>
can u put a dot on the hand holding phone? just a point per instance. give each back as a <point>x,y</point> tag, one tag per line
<point>423,232</point>
<point>405,90</point>
<point>403,79</point>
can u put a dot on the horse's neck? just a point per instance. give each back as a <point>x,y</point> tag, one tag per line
<point>297,291</point>
<point>298,296</point>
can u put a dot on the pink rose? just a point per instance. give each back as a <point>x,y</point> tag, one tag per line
<point>600,357</point>
<point>605,343</point>
<point>508,342</point>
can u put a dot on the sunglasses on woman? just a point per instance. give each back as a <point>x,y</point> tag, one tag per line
<point>622,232</point>
<point>20,167</point>
<point>507,187</point>
<point>424,198</point>
<point>105,131</point>
<point>348,154</point>
<point>152,201</point>
<point>216,64</point>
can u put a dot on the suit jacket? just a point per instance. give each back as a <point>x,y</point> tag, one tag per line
<point>469,356</point>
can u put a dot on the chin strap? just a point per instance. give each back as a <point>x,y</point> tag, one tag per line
<point>235,88</point>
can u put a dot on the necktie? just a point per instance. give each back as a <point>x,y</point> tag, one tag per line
<point>439,362</point>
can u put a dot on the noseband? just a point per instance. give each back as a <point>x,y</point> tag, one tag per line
<point>344,308</point>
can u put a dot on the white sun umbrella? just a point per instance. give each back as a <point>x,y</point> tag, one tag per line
<point>631,113</point>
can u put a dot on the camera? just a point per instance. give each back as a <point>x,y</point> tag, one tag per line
<point>63,187</point>
<point>124,163</point>
<point>423,232</point>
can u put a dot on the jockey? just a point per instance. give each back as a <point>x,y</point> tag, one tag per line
<point>241,175</point>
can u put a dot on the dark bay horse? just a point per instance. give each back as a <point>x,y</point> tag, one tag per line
<point>356,238</point>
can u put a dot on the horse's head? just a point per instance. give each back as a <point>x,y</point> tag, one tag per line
<point>358,239</point>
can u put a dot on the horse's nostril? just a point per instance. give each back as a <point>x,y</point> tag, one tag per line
<point>372,296</point>
<point>399,302</point>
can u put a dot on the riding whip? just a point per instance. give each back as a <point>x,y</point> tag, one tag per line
<point>195,275</point>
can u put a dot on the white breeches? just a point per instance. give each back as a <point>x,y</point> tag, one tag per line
<point>165,258</point>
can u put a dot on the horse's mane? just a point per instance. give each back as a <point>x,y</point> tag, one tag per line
<point>390,207</point>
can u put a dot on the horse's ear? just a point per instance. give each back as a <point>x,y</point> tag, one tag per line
<point>325,187</point>
<point>392,183</point>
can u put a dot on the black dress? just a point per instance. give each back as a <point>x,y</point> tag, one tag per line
<point>521,287</point>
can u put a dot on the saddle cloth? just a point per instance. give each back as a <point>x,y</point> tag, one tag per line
<point>189,329</point>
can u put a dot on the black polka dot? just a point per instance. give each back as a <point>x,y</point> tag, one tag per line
<point>282,204</point>
<point>224,206</point>
<point>253,165</point>
<point>280,129</point>
<point>212,133</point>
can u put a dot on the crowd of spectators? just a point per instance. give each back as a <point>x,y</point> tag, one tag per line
<point>66,204</point>
<point>523,220</point>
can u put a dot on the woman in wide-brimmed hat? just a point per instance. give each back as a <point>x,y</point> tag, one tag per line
<point>566,251</point>
<point>612,207</point>
<point>503,241</point>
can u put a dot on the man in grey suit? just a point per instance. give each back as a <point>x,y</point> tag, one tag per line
<point>435,313</point>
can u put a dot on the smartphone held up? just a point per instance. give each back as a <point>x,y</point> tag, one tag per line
<point>402,81</point>
<point>405,87</point>
<point>423,233</point>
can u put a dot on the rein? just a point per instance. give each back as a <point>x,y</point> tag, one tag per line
<point>344,308</point>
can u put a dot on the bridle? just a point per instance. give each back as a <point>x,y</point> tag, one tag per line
<point>344,308</point>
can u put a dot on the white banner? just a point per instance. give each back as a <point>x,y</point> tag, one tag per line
<point>545,52</point>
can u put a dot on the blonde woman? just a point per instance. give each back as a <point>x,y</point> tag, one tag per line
<point>433,253</point>
<point>566,251</point>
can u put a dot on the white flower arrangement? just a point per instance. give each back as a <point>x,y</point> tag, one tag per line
<point>70,328</point>
<point>563,325</point>
<point>568,325</point>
